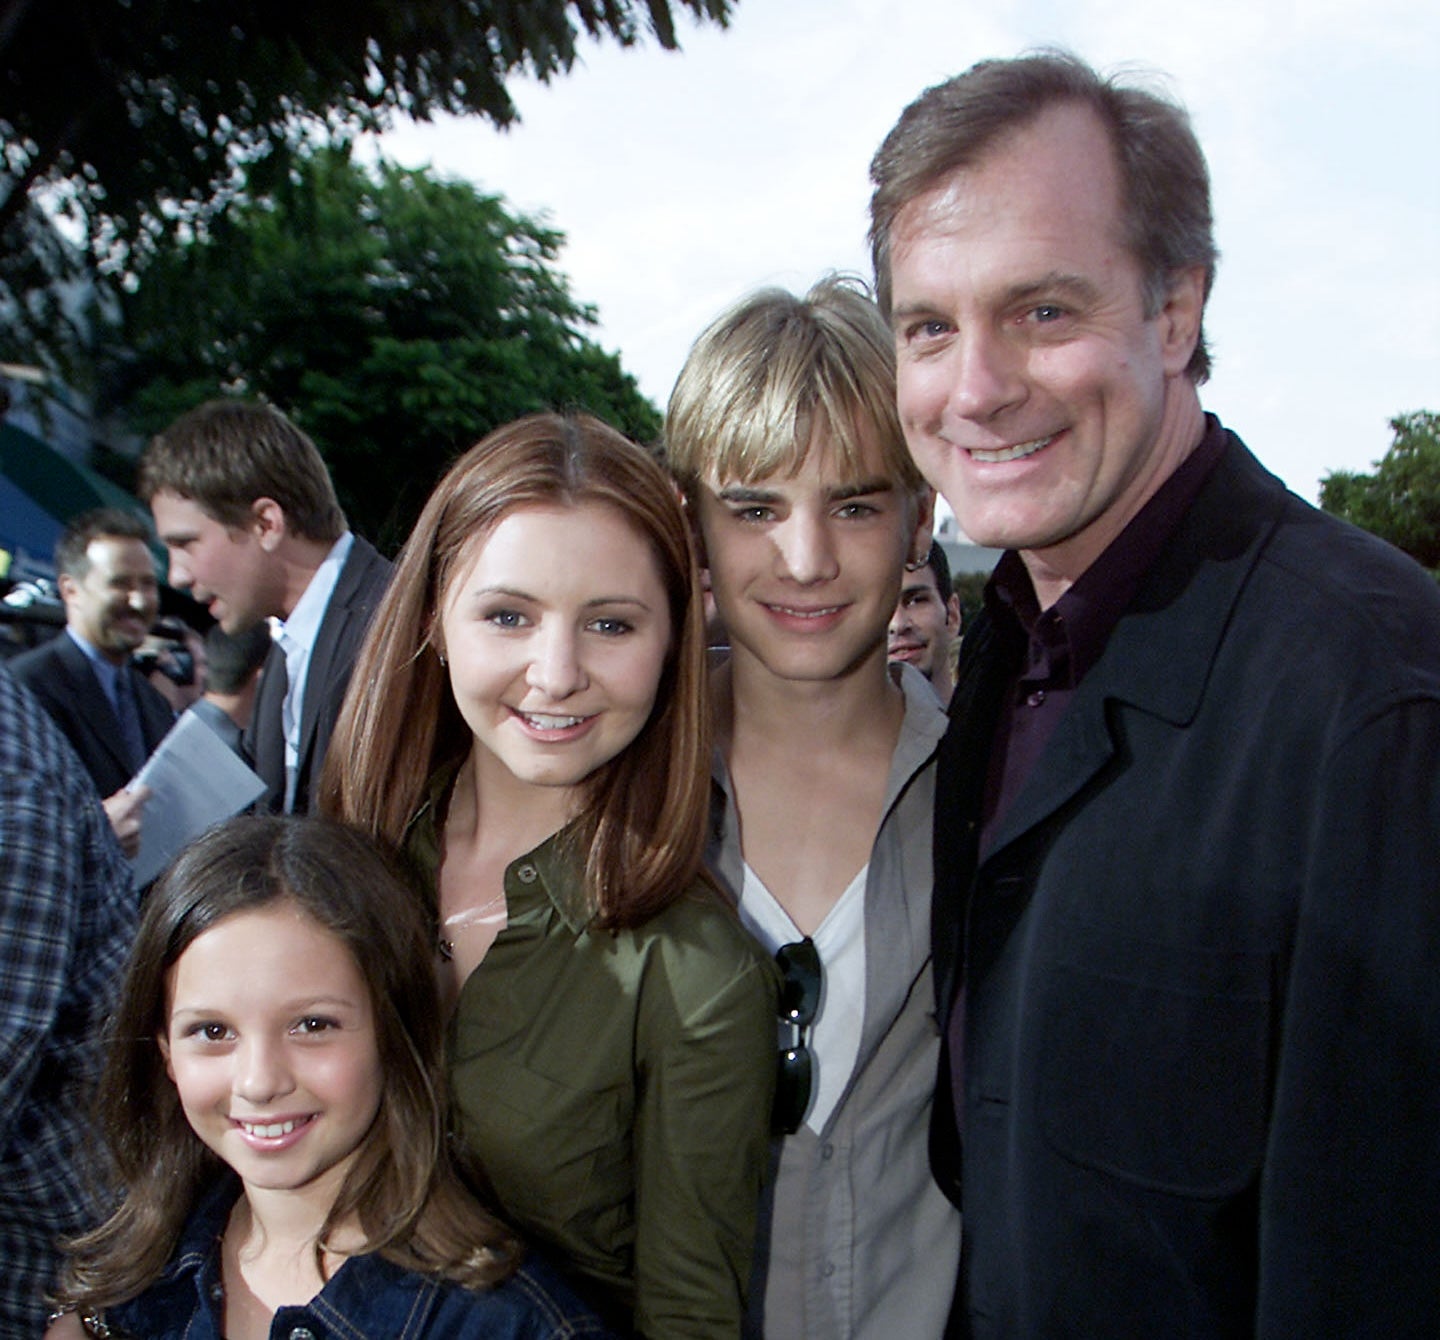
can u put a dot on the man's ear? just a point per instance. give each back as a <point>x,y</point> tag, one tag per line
<point>268,522</point>
<point>952,614</point>
<point>67,586</point>
<point>924,525</point>
<point>1180,318</point>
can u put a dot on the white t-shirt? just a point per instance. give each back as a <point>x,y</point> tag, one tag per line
<point>834,1039</point>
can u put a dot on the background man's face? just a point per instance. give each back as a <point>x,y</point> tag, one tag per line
<point>223,567</point>
<point>113,605</point>
<point>924,624</point>
<point>1033,389</point>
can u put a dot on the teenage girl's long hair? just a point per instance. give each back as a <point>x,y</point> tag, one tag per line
<point>641,829</point>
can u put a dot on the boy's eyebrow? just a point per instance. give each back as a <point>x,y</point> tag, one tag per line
<point>746,493</point>
<point>754,493</point>
<point>860,489</point>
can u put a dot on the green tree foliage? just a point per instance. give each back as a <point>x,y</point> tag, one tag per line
<point>395,316</point>
<point>1400,502</point>
<point>135,104</point>
<point>970,587</point>
<point>134,117</point>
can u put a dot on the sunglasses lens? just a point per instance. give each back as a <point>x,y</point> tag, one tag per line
<point>792,1090</point>
<point>799,964</point>
<point>800,986</point>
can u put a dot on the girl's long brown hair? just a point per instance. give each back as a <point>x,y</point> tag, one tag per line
<point>402,1189</point>
<point>641,829</point>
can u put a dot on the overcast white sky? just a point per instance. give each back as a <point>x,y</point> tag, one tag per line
<point>683,180</point>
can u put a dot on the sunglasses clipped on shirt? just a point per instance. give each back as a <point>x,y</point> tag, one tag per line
<point>799,964</point>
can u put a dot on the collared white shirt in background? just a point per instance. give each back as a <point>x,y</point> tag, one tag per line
<point>296,636</point>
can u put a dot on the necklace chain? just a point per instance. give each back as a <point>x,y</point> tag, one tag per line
<point>466,917</point>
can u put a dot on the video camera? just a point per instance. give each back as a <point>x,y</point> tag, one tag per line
<point>165,650</point>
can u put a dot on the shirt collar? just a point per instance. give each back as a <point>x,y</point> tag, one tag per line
<point>366,1291</point>
<point>94,655</point>
<point>1067,639</point>
<point>546,881</point>
<point>106,671</point>
<point>303,626</point>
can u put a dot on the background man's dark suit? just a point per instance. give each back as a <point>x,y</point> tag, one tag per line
<point>1202,956</point>
<point>59,674</point>
<point>362,582</point>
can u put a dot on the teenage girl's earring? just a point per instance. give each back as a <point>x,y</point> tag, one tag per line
<point>915,564</point>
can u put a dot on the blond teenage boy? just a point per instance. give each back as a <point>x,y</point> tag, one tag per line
<point>783,435</point>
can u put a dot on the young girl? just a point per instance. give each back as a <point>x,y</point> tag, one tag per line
<point>272,1101</point>
<point>527,723</point>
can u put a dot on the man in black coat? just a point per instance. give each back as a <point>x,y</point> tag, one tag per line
<point>1187,902</point>
<point>244,503</point>
<point>109,712</point>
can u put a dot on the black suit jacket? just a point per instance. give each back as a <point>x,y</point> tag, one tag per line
<point>1201,958</point>
<point>60,675</point>
<point>362,582</point>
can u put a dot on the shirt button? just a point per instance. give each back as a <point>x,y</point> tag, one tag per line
<point>1036,698</point>
<point>829,1269</point>
<point>527,874</point>
<point>827,1151</point>
<point>302,1333</point>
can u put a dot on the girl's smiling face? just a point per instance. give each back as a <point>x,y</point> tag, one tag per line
<point>271,1043</point>
<point>556,630</point>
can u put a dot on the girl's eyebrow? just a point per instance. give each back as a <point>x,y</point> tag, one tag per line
<point>514,593</point>
<point>499,590</point>
<point>299,1005</point>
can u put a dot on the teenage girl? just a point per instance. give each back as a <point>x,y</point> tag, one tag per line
<point>272,1102</point>
<point>527,724</point>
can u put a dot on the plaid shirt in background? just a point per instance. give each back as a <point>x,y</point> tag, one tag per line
<point>67,918</point>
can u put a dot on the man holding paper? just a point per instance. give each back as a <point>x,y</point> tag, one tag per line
<point>83,678</point>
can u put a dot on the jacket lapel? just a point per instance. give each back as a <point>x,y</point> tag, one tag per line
<point>329,640</point>
<point>156,716</point>
<point>987,660</point>
<point>93,709</point>
<point>265,739</point>
<point>1158,659</point>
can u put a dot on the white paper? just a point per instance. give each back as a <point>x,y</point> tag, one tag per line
<point>196,780</point>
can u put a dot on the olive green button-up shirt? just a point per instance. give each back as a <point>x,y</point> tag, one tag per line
<point>616,1088</point>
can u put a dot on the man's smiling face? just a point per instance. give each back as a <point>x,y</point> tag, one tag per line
<point>1034,390</point>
